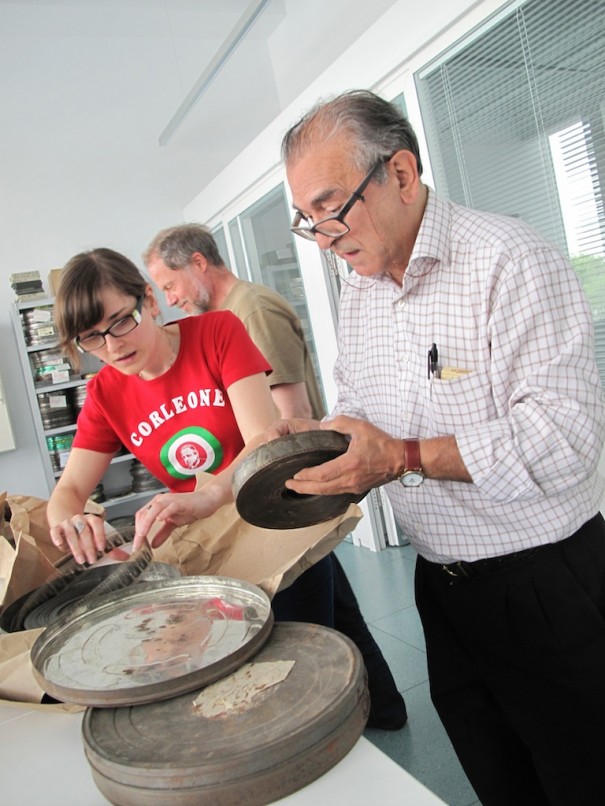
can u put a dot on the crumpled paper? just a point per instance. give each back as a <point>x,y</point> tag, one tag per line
<point>226,545</point>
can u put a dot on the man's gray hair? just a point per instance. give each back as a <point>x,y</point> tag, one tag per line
<point>175,246</point>
<point>376,130</point>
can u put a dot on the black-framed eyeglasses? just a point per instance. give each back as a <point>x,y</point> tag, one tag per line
<point>333,226</point>
<point>124,326</point>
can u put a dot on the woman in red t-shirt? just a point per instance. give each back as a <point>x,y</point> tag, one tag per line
<point>183,398</point>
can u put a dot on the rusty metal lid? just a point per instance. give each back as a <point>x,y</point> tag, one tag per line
<point>258,481</point>
<point>152,640</point>
<point>223,748</point>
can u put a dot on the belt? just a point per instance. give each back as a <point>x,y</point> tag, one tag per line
<point>466,570</point>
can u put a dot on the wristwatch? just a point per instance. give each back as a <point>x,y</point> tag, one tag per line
<point>412,475</point>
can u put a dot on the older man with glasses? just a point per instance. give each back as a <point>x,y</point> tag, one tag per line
<point>489,454</point>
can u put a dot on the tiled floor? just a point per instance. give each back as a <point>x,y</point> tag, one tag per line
<point>384,585</point>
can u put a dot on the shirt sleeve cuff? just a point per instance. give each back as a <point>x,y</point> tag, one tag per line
<point>496,470</point>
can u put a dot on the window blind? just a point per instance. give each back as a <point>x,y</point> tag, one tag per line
<point>514,119</point>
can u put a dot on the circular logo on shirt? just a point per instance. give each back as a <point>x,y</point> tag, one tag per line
<point>191,451</point>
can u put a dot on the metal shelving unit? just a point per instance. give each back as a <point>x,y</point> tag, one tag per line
<point>121,501</point>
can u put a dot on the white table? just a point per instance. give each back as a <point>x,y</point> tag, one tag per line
<point>42,762</point>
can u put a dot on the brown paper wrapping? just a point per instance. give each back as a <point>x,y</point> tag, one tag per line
<point>18,686</point>
<point>226,545</point>
<point>27,555</point>
<point>27,558</point>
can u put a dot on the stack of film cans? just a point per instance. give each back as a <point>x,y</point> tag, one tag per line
<point>46,364</point>
<point>79,396</point>
<point>142,479</point>
<point>59,447</point>
<point>56,409</point>
<point>38,326</point>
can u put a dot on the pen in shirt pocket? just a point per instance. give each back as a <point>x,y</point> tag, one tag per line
<point>433,362</point>
<point>435,370</point>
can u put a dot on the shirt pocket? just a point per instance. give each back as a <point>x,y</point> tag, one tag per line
<point>457,403</point>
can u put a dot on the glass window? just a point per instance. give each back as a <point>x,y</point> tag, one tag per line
<point>218,233</point>
<point>513,116</point>
<point>262,242</point>
<point>241,264</point>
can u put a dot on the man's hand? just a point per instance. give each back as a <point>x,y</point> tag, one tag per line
<point>373,458</point>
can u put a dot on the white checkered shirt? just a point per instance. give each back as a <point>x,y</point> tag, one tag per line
<point>507,312</point>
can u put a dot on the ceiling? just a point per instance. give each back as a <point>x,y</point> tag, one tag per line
<point>88,86</point>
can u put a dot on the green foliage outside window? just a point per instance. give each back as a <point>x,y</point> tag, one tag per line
<point>591,271</point>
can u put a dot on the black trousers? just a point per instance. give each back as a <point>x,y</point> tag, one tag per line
<point>310,598</point>
<point>323,595</point>
<point>516,659</point>
<point>387,706</point>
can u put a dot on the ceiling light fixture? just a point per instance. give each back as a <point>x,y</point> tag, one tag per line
<point>233,39</point>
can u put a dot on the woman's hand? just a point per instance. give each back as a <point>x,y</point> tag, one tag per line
<point>82,535</point>
<point>295,425</point>
<point>166,511</point>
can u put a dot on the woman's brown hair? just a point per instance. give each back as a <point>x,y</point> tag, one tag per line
<point>78,305</point>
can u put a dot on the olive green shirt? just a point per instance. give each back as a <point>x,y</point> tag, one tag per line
<point>277,332</point>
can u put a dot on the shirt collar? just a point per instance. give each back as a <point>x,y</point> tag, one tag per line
<point>433,239</point>
<point>432,245</point>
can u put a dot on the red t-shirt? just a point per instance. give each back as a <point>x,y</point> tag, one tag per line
<point>182,422</point>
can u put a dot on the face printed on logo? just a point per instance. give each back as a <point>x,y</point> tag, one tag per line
<point>191,451</point>
<point>189,455</point>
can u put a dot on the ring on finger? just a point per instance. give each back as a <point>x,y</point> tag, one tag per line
<point>79,526</point>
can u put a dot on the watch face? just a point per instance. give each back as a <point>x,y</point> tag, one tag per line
<point>411,478</point>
